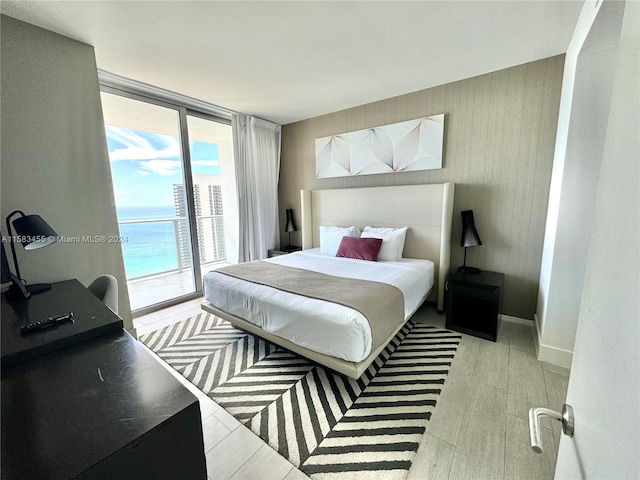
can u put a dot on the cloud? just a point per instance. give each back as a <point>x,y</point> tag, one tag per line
<point>127,144</point>
<point>152,153</point>
<point>162,167</point>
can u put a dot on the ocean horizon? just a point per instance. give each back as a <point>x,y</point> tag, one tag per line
<point>150,248</point>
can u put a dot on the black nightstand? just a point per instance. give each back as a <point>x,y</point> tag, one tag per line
<point>274,252</point>
<point>473,303</point>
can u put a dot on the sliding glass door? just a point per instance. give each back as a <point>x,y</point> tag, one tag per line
<point>165,166</point>
<point>211,149</point>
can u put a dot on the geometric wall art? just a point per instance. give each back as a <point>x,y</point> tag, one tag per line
<point>400,147</point>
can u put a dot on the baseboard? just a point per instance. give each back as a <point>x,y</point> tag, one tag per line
<point>521,321</point>
<point>545,353</point>
<point>536,334</point>
<point>557,356</point>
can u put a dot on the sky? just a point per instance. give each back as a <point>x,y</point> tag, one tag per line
<point>146,165</point>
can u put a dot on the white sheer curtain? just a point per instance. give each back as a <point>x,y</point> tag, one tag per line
<point>256,145</point>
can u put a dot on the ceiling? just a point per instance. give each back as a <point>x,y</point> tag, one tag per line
<point>289,61</point>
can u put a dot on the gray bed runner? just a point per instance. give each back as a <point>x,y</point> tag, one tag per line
<point>380,303</point>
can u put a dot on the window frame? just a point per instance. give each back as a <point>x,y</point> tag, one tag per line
<point>184,108</point>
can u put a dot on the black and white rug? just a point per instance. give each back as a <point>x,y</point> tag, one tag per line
<point>328,425</point>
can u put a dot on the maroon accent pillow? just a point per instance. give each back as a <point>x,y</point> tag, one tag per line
<point>360,248</point>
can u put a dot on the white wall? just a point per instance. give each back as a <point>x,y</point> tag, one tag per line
<point>588,80</point>
<point>54,155</point>
<point>604,387</point>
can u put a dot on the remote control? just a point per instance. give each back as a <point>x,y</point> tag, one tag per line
<point>54,320</point>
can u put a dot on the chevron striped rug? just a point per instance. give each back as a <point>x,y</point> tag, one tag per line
<point>328,425</point>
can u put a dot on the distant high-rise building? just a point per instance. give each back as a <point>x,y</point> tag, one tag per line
<point>217,222</point>
<point>182,226</point>
<point>209,220</point>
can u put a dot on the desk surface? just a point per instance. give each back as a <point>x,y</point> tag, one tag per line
<point>64,412</point>
<point>92,318</point>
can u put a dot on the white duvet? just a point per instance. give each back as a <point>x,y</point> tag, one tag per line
<point>318,325</point>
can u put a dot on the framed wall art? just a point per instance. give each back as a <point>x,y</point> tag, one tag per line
<point>400,147</point>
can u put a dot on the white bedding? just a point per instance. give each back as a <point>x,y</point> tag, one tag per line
<point>318,325</point>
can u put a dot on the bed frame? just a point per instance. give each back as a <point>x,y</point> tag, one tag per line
<point>426,209</point>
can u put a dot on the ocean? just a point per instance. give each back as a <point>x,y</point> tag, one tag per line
<point>150,247</point>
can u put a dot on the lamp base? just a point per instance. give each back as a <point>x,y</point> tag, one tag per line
<point>17,290</point>
<point>36,288</point>
<point>291,248</point>
<point>469,270</point>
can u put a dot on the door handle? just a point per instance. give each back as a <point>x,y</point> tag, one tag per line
<point>535,432</point>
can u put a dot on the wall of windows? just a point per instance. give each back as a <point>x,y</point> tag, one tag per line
<point>167,165</point>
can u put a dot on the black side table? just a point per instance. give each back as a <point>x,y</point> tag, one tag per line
<point>473,303</point>
<point>283,251</point>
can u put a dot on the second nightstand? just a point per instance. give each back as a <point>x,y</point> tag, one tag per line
<point>473,303</point>
<point>275,252</point>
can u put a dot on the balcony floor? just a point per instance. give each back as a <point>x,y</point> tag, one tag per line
<point>147,291</point>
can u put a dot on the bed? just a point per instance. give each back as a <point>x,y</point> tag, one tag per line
<point>337,335</point>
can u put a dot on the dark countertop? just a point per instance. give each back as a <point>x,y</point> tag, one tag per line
<point>65,411</point>
<point>91,319</point>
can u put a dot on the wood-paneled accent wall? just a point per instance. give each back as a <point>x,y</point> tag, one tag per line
<point>499,142</point>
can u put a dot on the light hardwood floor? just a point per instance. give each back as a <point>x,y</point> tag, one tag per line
<point>479,429</point>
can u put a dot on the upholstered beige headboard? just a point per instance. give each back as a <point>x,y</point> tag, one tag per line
<point>426,209</point>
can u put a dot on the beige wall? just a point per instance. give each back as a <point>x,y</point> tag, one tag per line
<point>54,155</point>
<point>498,148</point>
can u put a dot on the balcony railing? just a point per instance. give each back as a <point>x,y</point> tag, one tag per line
<point>162,245</point>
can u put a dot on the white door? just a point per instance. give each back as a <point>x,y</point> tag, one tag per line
<point>605,376</point>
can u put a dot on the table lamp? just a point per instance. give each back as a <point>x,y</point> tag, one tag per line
<point>470,238</point>
<point>34,233</point>
<point>290,227</point>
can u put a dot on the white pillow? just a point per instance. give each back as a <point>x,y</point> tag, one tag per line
<point>330,238</point>
<point>392,241</point>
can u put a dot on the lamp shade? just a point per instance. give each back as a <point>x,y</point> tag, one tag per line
<point>291,224</point>
<point>470,237</point>
<point>33,232</point>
